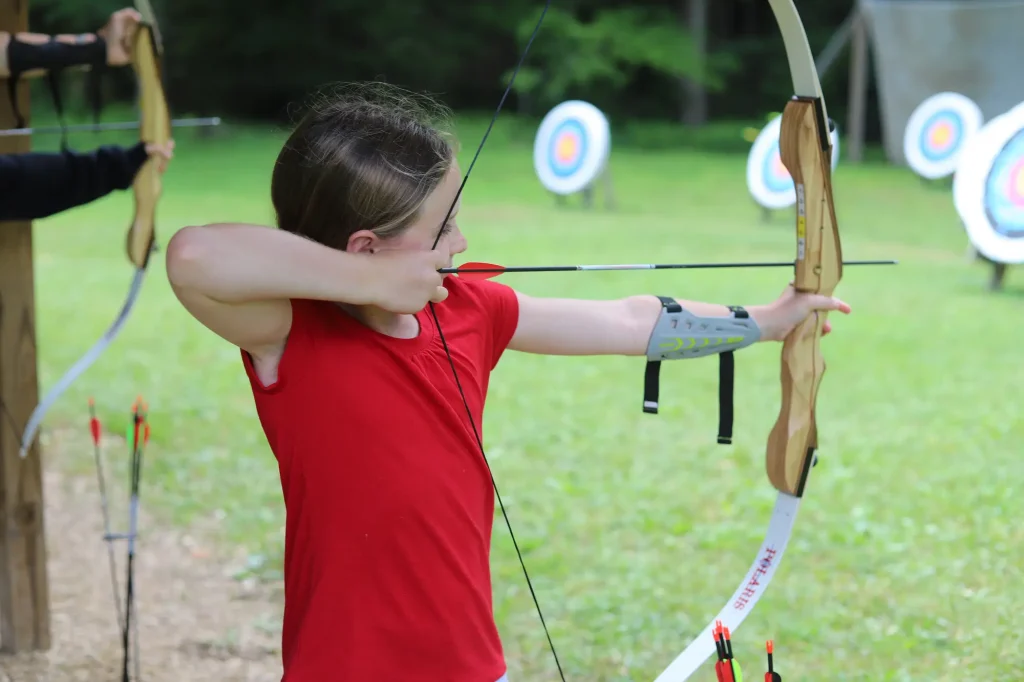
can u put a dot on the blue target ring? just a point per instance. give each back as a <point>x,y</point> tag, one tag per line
<point>768,179</point>
<point>988,188</point>
<point>775,175</point>
<point>571,148</point>
<point>1004,189</point>
<point>941,135</point>
<point>567,148</point>
<point>938,131</point>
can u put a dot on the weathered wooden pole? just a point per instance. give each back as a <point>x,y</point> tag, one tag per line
<point>24,586</point>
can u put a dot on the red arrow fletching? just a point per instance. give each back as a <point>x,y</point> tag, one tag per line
<point>94,423</point>
<point>466,271</point>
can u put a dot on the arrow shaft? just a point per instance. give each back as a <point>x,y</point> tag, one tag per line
<point>646,266</point>
<point>99,127</point>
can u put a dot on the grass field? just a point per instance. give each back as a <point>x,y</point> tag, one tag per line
<point>906,563</point>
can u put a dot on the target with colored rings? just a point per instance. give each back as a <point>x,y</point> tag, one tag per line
<point>572,147</point>
<point>937,131</point>
<point>767,178</point>
<point>988,188</point>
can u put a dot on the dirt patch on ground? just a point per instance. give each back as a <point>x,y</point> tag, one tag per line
<point>196,620</point>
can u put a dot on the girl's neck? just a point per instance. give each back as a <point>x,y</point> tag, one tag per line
<point>397,325</point>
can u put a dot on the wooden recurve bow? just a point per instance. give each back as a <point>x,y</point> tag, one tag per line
<point>154,127</point>
<point>806,149</point>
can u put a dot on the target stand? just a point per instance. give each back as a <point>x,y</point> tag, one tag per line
<point>988,192</point>
<point>571,150</point>
<point>937,132</point>
<point>768,181</point>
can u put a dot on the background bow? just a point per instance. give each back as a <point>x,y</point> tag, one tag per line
<point>154,127</point>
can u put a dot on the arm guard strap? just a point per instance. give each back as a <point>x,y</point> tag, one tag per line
<point>679,333</point>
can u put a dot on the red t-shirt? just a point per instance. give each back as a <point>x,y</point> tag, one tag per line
<point>389,504</point>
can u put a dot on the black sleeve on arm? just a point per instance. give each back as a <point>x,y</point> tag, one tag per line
<point>39,184</point>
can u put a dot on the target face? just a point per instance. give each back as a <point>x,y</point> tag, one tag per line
<point>937,132</point>
<point>572,147</point>
<point>988,188</point>
<point>767,178</point>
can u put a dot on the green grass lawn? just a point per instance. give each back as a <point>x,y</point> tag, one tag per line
<point>906,560</point>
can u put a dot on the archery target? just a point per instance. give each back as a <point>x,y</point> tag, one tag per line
<point>767,178</point>
<point>937,131</point>
<point>988,188</point>
<point>572,147</point>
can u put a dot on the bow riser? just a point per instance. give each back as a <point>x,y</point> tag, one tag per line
<point>154,127</point>
<point>806,152</point>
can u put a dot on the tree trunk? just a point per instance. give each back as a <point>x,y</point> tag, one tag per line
<point>693,16</point>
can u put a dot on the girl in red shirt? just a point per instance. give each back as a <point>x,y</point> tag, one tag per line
<point>388,497</point>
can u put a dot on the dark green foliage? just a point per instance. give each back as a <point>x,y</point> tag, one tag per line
<point>254,59</point>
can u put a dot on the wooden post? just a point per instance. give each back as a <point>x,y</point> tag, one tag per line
<point>609,188</point>
<point>24,586</point>
<point>828,55</point>
<point>694,20</point>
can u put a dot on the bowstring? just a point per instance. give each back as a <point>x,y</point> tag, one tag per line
<point>451,361</point>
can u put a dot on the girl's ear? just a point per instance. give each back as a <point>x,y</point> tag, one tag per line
<point>363,241</point>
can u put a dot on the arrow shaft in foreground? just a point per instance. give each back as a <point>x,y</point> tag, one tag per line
<point>494,270</point>
<point>100,127</point>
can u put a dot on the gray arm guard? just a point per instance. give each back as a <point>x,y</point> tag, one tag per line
<point>679,333</point>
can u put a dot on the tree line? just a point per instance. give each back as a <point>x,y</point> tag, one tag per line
<point>683,60</point>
